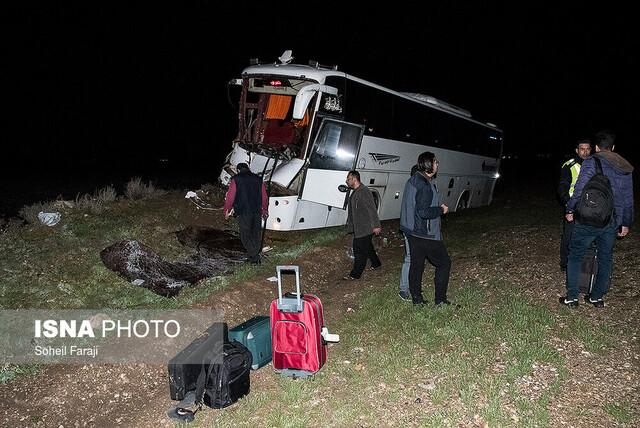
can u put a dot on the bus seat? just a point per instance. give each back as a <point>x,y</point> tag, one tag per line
<point>278,133</point>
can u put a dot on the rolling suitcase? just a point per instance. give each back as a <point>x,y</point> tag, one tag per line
<point>185,367</point>
<point>255,334</point>
<point>589,271</point>
<point>298,334</point>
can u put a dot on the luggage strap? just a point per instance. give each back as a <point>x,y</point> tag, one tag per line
<point>205,374</point>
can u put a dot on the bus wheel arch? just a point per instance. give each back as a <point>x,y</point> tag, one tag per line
<point>463,200</point>
<point>376,198</point>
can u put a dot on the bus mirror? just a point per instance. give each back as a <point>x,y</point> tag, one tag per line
<point>343,188</point>
<point>305,95</point>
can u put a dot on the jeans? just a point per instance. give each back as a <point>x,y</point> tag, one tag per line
<point>566,240</point>
<point>404,275</point>
<point>581,238</point>
<point>436,253</point>
<point>250,226</point>
<point>363,250</point>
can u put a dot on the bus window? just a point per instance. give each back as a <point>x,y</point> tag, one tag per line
<point>336,146</point>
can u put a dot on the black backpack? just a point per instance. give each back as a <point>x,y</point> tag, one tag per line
<point>224,376</point>
<point>595,207</point>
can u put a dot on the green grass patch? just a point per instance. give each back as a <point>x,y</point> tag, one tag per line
<point>9,371</point>
<point>621,412</point>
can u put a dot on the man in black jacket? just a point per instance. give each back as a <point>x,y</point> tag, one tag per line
<point>568,178</point>
<point>363,222</point>
<point>248,198</point>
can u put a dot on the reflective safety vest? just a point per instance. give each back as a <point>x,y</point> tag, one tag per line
<point>575,171</point>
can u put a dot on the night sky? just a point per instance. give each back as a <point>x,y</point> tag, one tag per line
<point>117,84</point>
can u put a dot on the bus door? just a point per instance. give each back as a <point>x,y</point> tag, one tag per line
<point>332,156</point>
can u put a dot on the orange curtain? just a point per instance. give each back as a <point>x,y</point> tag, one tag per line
<point>278,106</point>
<point>303,122</point>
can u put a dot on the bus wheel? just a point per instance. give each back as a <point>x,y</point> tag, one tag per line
<point>463,201</point>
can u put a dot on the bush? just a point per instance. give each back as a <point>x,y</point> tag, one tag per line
<point>10,226</point>
<point>30,212</point>
<point>98,202</point>
<point>136,189</point>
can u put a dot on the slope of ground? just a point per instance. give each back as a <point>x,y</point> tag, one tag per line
<point>137,395</point>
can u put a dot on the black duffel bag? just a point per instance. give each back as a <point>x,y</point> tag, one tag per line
<point>224,376</point>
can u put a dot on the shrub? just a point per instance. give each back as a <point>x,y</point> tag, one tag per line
<point>30,212</point>
<point>98,202</point>
<point>107,195</point>
<point>10,226</point>
<point>136,189</point>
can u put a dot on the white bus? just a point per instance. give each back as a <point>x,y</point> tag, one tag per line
<point>304,127</point>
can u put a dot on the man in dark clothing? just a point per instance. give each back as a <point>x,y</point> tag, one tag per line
<point>619,173</point>
<point>420,223</point>
<point>363,222</point>
<point>248,198</point>
<point>568,178</point>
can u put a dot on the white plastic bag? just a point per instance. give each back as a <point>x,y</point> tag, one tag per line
<point>49,219</point>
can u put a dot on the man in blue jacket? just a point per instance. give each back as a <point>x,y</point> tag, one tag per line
<point>618,171</point>
<point>420,222</point>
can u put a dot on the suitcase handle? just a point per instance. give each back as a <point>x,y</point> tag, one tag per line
<point>289,304</point>
<point>328,337</point>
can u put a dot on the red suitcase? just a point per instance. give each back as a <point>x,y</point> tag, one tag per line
<point>298,334</point>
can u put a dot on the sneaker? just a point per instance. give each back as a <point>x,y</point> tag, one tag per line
<point>447,303</point>
<point>598,303</point>
<point>404,295</point>
<point>572,303</point>
<point>418,304</point>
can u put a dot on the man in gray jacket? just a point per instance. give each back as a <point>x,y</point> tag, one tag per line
<point>363,222</point>
<point>420,222</point>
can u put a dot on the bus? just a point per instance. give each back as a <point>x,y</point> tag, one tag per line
<point>304,127</point>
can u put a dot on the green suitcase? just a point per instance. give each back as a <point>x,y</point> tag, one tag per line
<point>255,334</point>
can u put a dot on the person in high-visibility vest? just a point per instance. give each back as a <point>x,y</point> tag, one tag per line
<point>568,178</point>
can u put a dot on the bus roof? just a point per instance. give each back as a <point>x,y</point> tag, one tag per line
<point>293,70</point>
<point>320,73</point>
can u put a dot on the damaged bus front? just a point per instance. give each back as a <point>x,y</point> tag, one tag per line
<point>277,120</point>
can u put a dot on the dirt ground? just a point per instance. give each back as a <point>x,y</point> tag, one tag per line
<point>138,395</point>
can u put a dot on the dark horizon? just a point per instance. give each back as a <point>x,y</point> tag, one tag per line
<point>120,86</point>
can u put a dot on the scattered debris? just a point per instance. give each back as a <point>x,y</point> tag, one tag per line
<point>199,200</point>
<point>49,219</point>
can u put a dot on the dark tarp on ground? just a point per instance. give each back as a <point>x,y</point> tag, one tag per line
<point>217,252</point>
